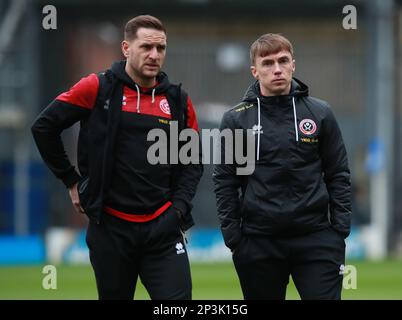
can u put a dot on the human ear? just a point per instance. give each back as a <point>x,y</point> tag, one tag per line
<point>254,72</point>
<point>125,48</point>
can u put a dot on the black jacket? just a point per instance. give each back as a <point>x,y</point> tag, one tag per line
<point>99,128</point>
<point>301,181</point>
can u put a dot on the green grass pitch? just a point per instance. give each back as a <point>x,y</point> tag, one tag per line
<point>375,280</point>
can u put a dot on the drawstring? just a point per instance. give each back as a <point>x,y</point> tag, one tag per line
<point>138,98</point>
<point>295,118</point>
<point>258,128</point>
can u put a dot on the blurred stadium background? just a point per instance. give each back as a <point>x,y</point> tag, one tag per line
<point>358,71</point>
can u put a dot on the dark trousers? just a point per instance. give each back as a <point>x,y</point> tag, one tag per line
<point>120,251</point>
<point>314,261</point>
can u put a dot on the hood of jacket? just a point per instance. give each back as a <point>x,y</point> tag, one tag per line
<point>253,95</point>
<point>121,77</point>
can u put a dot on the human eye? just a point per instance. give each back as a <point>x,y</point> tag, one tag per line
<point>267,63</point>
<point>146,46</point>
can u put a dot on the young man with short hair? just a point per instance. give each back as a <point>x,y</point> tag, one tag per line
<point>294,210</point>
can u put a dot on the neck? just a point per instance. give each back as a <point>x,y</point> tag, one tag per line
<point>141,81</point>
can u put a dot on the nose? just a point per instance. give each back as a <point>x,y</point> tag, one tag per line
<point>277,68</point>
<point>154,53</point>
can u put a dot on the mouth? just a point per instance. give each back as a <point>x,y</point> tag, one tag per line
<point>278,80</point>
<point>152,66</point>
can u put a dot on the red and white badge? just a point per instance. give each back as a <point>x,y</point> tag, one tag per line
<point>307,126</point>
<point>164,106</point>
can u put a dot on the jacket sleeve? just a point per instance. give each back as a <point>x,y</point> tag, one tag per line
<point>67,109</point>
<point>227,185</point>
<point>46,132</point>
<point>189,175</point>
<point>336,174</point>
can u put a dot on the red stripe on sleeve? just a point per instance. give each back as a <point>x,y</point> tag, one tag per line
<point>192,118</point>
<point>83,93</point>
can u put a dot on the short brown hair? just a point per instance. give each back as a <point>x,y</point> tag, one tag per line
<point>269,43</point>
<point>143,21</point>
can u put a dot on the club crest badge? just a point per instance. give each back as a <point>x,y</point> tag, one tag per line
<point>164,106</point>
<point>308,126</point>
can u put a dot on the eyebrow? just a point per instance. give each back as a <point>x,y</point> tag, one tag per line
<point>279,58</point>
<point>150,44</point>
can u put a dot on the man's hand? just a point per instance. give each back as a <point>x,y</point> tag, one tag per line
<point>75,199</point>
